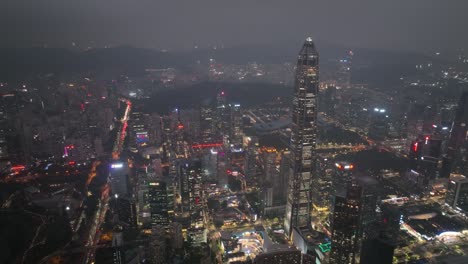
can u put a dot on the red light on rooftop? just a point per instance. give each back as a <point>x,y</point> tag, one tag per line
<point>415,147</point>
<point>180,126</point>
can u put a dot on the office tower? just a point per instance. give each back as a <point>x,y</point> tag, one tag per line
<point>380,249</point>
<point>378,124</point>
<point>353,219</point>
<point>447,115</point>
<point>344,71</point>
<point>458,142</point>
<point>118,176</point>
<point>283,177</point>
<point>3,142</point>
<point>428,116</point>
<point>269,159</point>
<point>250,167</point>
<point>142,190</point>
<point>189,175</point>
<point>425,160</point>
<point>98,147</point>
<point>209,165</point>
<point>183,186</point>
<point>159,203</point>
<point>180,138</point>
<point>138,128</point>
<point>221,169</point>
<point>156,250</point>
<point>195,188</point>
<point>303,138</point>
<point>207,123</point>
<point>222,114</point>
<point>457,193</point>
<point>177,238</point>
<point>345,223</point>
<point>124,209</point>
<point>270,175</point>
<point>191,120</point>
<point>273,181</point>
<point>156,167</point>
<point>11,104</point>
<point>321,190</point>
<point>3,131</point>
<point>236,125</point>
<point>459,126</point>
<point>155,132</point>
<point>390,218</point>
<point>328,104</point>
<point>342,176</point>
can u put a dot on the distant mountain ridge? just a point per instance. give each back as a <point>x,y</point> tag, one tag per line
<point>20,63</point>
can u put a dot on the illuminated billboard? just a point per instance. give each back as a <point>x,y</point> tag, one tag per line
<point>142,137</point>
<point>117,165</point>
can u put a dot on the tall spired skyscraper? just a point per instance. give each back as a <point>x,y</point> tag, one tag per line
<point>303,138</point>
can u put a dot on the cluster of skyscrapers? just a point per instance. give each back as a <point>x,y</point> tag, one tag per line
<point>357,229</point>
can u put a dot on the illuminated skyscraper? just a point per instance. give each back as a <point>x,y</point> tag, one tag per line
<point>236,125</point>
<point>222,114</point>
<point>353,219</point>
<point>342,176</point>
<point>344,71</point>
<point>159,204</point>
<point>303,138</point>
<point>206,123</point>
<point>459,128</point>
<point>457,193</point>
<point>118,176</point>
<point>190,191</point>
<point>458,143</point>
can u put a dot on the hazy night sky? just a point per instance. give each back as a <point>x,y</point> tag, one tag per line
<point>173,24</point>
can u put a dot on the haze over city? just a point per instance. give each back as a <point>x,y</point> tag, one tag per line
<point>418,25</point>
<point>233,132</point>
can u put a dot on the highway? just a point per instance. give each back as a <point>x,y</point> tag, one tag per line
<point>118,145</point>
<point>94,230</point>
<point>93,236</point>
